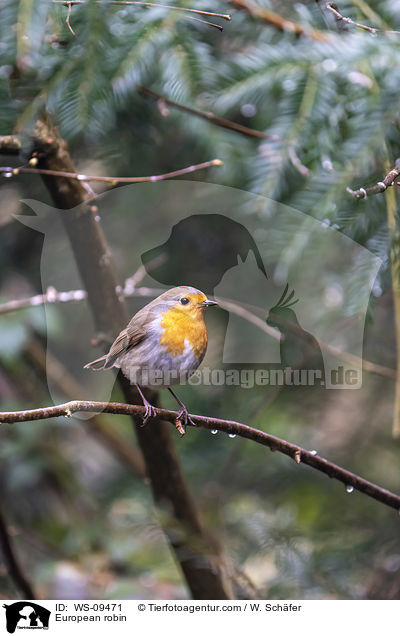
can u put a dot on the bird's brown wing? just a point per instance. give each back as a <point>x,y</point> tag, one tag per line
<point>131,336</point>
<point>128,338</point>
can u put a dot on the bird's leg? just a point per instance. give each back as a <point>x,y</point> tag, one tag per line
<point>183,416</point>
<point>150,410</point>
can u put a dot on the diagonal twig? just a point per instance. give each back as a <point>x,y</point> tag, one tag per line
<point>210,24</point>
<point>214,119</point>
<point>381,186</point>
<point>341,18</point>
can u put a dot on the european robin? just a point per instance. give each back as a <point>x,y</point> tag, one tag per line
<point>163,343</point>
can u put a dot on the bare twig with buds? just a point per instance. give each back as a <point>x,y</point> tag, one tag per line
<point>381,186</point>
<point>341,18</point>
<point>7,171</point>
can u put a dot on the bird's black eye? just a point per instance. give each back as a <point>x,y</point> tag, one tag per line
<point>184,301</point>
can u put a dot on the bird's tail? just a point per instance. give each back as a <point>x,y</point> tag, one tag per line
<point>98,364</point>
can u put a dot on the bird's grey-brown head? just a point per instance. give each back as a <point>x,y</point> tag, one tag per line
<point>185,298</point>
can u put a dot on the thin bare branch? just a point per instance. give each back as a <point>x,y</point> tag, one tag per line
<point>12,563</point>
<point>381,186</point>
<point>341,18</point>
<point>214,119</point>
<point>7,171</point>
<point>297,453</point>
<point>50,296</point>
<point>67,19</point>
<point>210,24</point>
<point>224,16</point>
<point>246,314</point>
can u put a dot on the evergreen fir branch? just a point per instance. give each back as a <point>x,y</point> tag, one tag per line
<point>133,66</point>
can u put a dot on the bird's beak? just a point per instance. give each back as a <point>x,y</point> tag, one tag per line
<point>208,303</point>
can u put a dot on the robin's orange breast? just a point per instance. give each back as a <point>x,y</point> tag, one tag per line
<point>180,330</point>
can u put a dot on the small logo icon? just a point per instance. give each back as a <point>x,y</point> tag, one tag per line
<point>26,615</point>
